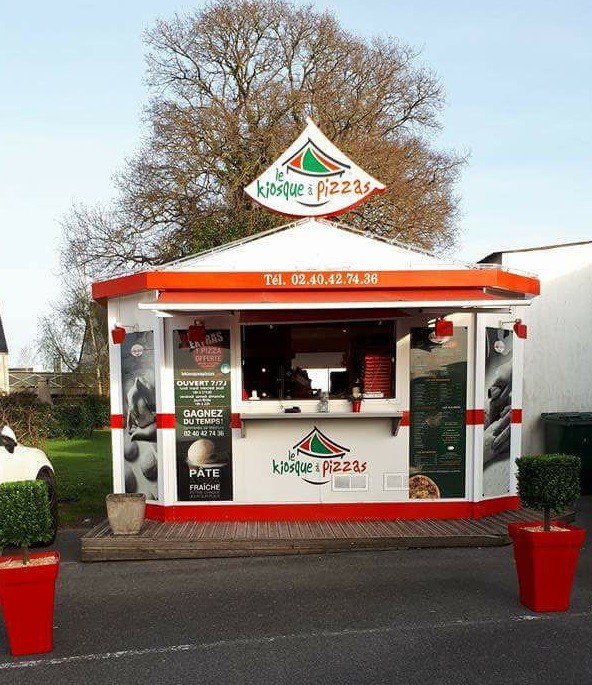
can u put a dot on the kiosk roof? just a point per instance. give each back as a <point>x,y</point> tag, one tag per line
<point>315,260</point>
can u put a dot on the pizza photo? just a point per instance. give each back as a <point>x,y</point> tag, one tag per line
<point>422,487</point>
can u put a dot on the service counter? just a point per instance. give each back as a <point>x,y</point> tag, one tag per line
<point>321,457</point>
<point>393,418</point>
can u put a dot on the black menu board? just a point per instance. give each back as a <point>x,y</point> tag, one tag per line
<point>438,393</point>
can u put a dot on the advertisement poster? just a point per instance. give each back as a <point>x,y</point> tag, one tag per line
<point>437,414</point>
<point>140,449</point>
<point>498,411</point>
<point>202,411</point>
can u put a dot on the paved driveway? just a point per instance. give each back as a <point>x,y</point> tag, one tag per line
<point>410,616</point>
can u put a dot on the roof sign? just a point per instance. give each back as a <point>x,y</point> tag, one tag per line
<point>313,178</point>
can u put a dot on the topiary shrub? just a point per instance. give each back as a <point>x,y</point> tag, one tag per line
<point>548,483</point>
<point>25,515</point>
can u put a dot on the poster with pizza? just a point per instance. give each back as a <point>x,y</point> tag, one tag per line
<point>497,425</point>
<point>202,412</point>
<point>438,392</point>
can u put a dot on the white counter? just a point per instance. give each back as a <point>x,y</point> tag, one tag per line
<point>394,416</point>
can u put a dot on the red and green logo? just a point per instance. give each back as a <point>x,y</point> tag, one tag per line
<point>310,160</point>
<point>317,444</point>
<point>315,458</point>
<point>313,178</point>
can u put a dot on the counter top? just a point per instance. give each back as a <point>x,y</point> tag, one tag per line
<point>322,415</point>
<point>394,416</point>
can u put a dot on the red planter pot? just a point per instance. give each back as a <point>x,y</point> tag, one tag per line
<point>546,564</point>
<point>27,600</point>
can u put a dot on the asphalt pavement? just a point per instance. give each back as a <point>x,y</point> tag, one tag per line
<point>405,616</point>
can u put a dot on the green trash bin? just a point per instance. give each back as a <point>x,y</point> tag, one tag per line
<point>571,433</point>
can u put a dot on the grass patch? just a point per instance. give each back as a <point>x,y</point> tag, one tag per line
<point>84,476</point>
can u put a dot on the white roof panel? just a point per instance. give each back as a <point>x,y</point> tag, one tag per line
<point>311,245</point>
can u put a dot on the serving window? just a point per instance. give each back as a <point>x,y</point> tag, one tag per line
<point>301,361</point>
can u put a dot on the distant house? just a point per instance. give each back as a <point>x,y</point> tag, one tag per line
<point>558,353</point>
<point>3,361</point>
<point>91,374</point>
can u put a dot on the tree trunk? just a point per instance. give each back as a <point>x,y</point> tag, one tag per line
<point>93,340</point>
<point>547,520</point>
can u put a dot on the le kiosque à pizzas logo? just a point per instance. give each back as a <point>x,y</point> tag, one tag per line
<point>315,458</point>
<point>313,178</point>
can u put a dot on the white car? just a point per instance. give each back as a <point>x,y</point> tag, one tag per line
<point>18,462</point>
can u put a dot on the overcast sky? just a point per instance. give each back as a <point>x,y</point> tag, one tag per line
<point>517,77</point>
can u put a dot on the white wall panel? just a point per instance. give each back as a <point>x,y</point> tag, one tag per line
<point>558,351</point>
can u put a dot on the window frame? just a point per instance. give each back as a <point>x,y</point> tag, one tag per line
<point>390,322</point>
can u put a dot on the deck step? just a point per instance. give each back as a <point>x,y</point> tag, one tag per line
<point>196,539</point>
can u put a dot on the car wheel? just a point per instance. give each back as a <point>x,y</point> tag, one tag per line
<point>49,479</point>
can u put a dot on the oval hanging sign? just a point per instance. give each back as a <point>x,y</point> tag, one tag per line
<point>312,179</point>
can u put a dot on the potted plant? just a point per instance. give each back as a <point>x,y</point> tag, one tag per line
<point>546,555</point>
<point>126,512</point>
<point>356,397</point>
<point>27,580</point>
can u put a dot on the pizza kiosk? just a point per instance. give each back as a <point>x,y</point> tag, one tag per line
<point>315,372</point>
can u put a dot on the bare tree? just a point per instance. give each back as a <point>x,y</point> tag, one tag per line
<point>73,336</point>
<point>232,85</point>
<point>27,356</point>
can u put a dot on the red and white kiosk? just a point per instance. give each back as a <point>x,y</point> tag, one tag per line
<point>237,374</point>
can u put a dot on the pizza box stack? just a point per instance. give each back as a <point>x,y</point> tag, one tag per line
<point>377,375</point>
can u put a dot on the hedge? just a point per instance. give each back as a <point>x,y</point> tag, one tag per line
<point>77,418</point>
<point>34,421</point>
<point>28,417</point>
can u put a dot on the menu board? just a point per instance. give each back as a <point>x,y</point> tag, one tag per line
<point>437,414</point>
<point>202,411</point>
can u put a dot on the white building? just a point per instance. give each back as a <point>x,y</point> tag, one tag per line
<point>558,359</point>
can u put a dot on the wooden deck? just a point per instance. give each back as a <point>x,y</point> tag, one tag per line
<point>240,539</point>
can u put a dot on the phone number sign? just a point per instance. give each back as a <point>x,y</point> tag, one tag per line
<point>320,279</point>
